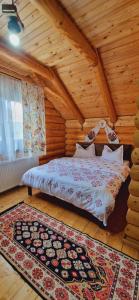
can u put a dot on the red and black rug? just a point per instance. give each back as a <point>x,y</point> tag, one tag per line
<point>60,262</point>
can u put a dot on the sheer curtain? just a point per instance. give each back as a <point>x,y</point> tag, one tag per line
<point>22,119</point>
<point>11,118</point>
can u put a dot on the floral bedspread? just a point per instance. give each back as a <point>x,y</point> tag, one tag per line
<point>91,184</point>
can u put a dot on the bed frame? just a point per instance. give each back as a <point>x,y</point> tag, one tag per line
<point>117,219</point>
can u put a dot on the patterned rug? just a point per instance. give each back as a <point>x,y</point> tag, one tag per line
<point>60,262</point>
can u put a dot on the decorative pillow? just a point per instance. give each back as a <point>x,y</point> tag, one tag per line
<point>110,155</point>
<point>89,152</point>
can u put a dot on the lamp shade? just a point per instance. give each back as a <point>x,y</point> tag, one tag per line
<point>15,25</point>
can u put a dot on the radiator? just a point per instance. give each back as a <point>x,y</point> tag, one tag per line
<point>11,172</point>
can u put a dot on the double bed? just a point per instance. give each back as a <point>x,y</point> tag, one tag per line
<point>95,185</point>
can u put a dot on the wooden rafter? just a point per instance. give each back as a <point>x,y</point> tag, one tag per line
<point>38,80</point>
<point>28,62</point>
<point>65,25</point>
<point>50,91</point>
<point>7,71</point>
<point>25,61</point>
<point>63,22</point>
<point>56,89</point>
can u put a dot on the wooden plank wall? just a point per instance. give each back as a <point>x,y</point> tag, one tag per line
<point>55,134</point>
<point>74,133</point>
<point>112,27</point>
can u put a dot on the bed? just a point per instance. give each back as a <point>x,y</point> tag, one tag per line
<point>93,185</point>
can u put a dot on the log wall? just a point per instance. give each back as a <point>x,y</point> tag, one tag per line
<point>132,228</point>
<point>55,134</point>
<point>124,128</point>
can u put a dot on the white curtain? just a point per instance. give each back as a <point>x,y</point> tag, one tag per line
<point>11,118</point>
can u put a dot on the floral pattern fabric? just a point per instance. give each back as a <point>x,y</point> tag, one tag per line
<point>74,266</point>
<point>33,119</point>
<point>91,184</point>
<point>110,133</point>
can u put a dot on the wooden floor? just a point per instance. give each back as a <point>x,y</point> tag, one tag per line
<point>12,287</point>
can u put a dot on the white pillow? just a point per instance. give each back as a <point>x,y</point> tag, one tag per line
<point>110,155</point>
<point>89,152</point>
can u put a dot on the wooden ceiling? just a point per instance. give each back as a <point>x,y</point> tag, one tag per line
<point>110,25</point>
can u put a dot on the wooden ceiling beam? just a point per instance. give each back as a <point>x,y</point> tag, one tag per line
<point>57,89</point>
<point>60,18</point>
<point>50,91</point>
<point>38,80</point>
<point>53,10</point>
<point>11,73</point>
<point>30,63</point>
<point>25,61</point>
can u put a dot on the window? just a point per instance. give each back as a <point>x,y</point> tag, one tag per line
<point>11,119</point>
<point>22,119</point>
<point>17,117</point>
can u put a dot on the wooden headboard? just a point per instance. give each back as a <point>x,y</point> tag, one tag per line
<point>99,148</point>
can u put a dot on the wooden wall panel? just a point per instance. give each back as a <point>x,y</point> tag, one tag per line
<point>55,134</point>
<point>103,21</point>
<point>121,63</point>
<point>74,133</point>
<point>113,27</point>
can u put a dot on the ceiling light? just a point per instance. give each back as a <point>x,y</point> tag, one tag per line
<point>14,39</point>
<point>15,25</point>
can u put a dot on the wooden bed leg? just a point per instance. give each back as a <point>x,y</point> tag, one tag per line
<point>29,191</point>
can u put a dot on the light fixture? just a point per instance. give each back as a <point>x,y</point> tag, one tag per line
<point>15,25</point>
<point>14,39</point>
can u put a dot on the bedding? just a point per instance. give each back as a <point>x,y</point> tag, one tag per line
<point>80,152</point>
<point>90,184</point>
<point>110,155</point>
